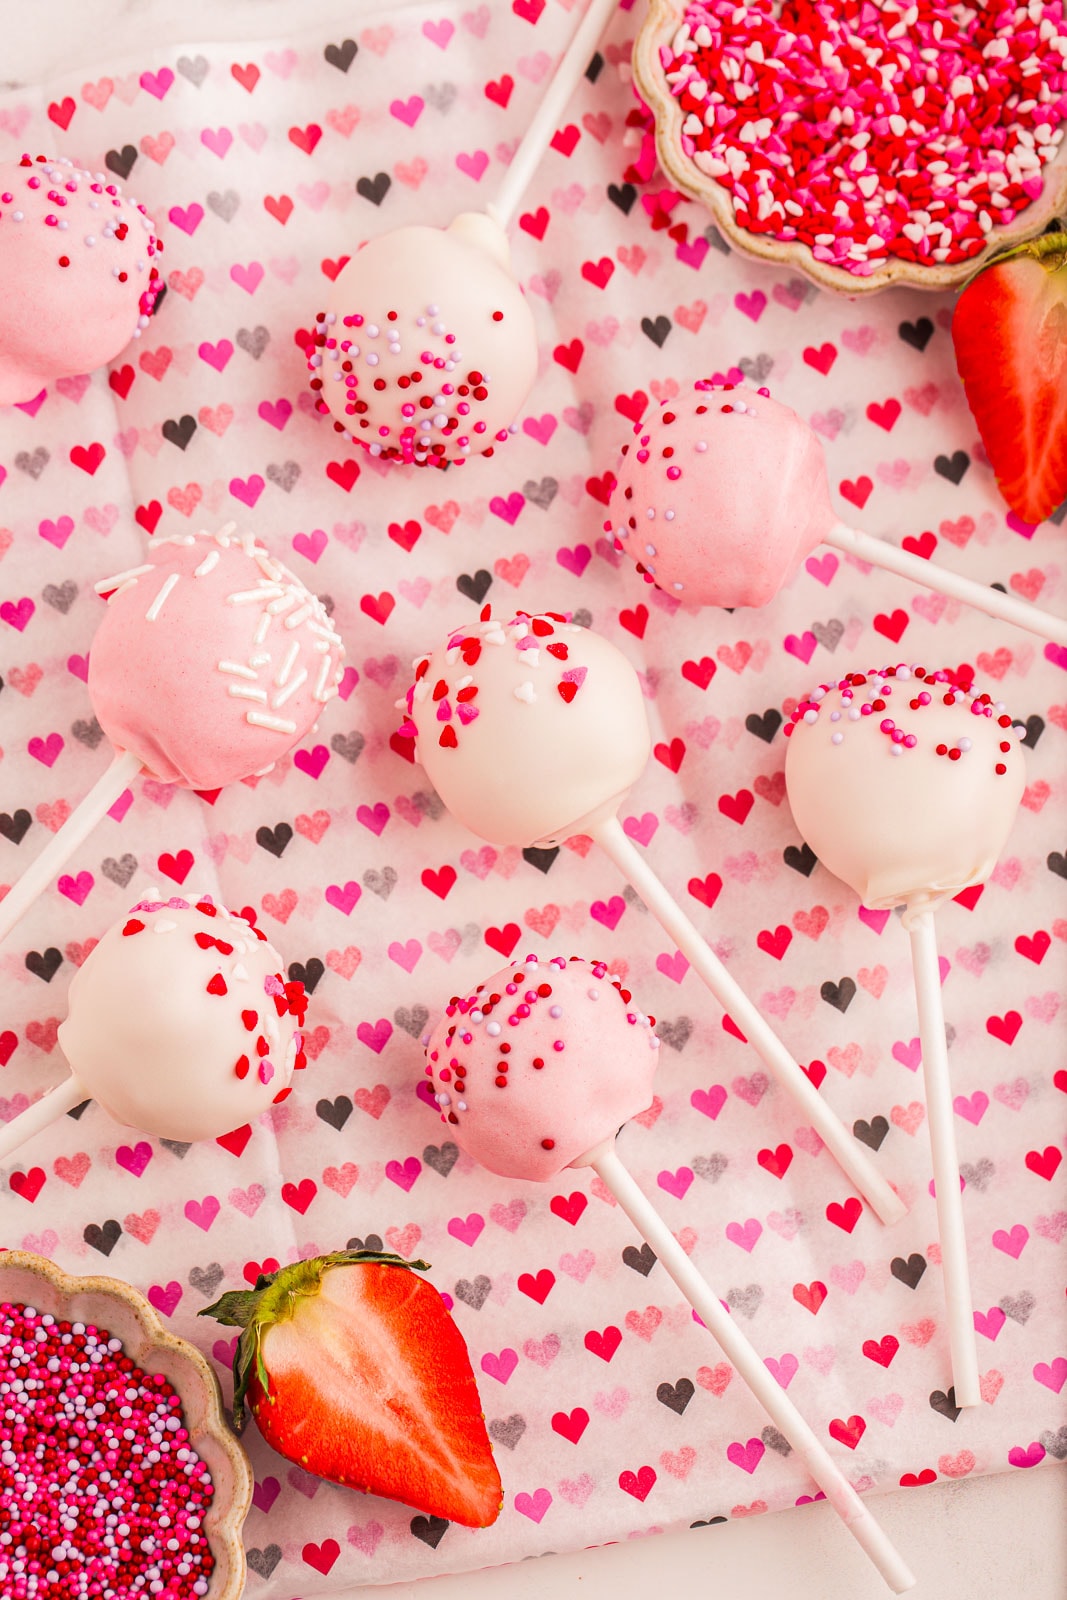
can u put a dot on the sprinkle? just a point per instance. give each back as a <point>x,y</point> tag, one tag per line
<point>779,107</point>
<point>290,689</point>
<point>288,664</point>
<point>157,604</point>
<point>123,579</point>
<point>236,670</point>
<point>101,1493</point>
<point>250,597</point>
<point>209,563</point>
<point>299,616</point>
<point>260,719</point>
<point>240,692</point>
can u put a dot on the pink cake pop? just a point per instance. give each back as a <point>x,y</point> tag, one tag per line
<point>533,1073</point>
<point>79,271</point>
<point>426,348</point>
<point>720,503</point>
<point>211,662</point>
<point>906,785</point>
<point>532,1030</point>
<point>723,493</point>
<point>181,1023</point>
<point>533,730</point>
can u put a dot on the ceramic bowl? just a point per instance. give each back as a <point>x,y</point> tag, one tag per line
<point>28,1279</point>
<point>663,20</point>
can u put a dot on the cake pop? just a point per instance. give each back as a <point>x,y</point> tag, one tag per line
<point>426,348</point>
<point>181,1023</point>
<point>78,262</point>
<point>533,730</point>
<point>210,663</point>
<point>533,1073</point>
<point>906,785</point>
<point>724,493</point>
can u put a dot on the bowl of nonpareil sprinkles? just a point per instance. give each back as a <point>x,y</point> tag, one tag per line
<point>864,142</point>
<point>119,1479</point>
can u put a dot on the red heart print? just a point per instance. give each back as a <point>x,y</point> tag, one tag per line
<point>538,1287</point>
<point>571,1424</point>
<point>848,1433</point>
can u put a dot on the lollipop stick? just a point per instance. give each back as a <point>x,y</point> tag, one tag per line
<point>51,1106</point>
<point>59,849</point>
<point>932,576</point>
<point>565,80</point>
<point>962,1345</point>
<point>760,1035</point>
<point>846,1502</point>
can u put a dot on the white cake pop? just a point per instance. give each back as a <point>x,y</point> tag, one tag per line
<point>903,783</point>
<point>530,729</point>
<point>181,1023</point>
<point>427,348</point>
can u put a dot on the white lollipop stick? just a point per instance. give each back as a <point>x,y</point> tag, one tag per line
<point>59,849</point>
<point>781,1410</point>
<point>51,1106</point>
<point>931,576</point>
<point>962,1344</point>
<point>761,1036</point>
<point>565,80</point>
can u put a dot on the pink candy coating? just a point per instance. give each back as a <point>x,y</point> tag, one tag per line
<point>576,1062</point>
<point>212,660</point>
<point>720,496</point>
<point>79,266</point>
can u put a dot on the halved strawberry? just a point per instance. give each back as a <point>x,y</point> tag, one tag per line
<point>1010,334</point>
<point>353,1367</point>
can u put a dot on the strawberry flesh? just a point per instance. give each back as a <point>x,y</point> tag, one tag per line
<point>360,1375</point>
<point>1010,335</point>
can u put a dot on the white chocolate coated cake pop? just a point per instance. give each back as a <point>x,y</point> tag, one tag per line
<point>79,272</point>
<point>531,729</point>
<point>540,1064</point>
<point>427,349</point>
<point>904,784</point>
<point>182,1022</point>
<point>212,660</point>
<point>720,496</point>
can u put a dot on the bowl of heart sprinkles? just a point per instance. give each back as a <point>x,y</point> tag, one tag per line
<point>119,1478</point>
<point>864,142</point>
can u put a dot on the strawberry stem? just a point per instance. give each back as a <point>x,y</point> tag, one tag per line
<point>274,1299</point>
<point>1050,249</point>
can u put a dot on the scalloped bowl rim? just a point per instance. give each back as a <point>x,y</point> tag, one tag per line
<point>120,1308</point>
<point>663,20</point>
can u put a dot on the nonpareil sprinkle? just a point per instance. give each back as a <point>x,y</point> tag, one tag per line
<point>101,1495</point>
<point>871,129</point>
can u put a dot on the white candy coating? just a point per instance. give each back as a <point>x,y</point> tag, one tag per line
<point>181,1021</point>
<point>900,822</point>
<point>531,730</point>
<point>427,348</point>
